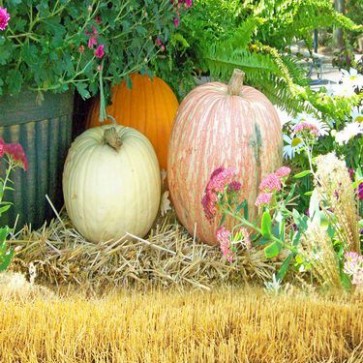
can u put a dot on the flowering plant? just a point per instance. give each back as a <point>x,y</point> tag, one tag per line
<point>13,156</point>
<point>318,241</point>
<point>61,45</point>
<point>337,126</point>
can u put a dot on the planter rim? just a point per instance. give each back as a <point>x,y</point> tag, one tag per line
<point>28,108</point>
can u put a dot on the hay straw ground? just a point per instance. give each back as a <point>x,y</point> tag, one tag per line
<point>165,298</point>
<point>168,256</point>
<point>226,325</point>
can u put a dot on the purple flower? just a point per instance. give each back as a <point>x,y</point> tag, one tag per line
<point>100,51</point>
<point>4,18</point>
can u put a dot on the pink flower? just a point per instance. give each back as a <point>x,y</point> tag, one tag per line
<point>92,41</point>
<point>282,172</point>
<point>188,3</point>
<point>263,198</point>
<point>4,18</point>
<point>360,191</point>
<point>224,238</point>
<point>219,180</point>
<point>2,148</point>
<point>176,22</point>
<point>209,202</point>
<point>16,152</point>
<point>270,183</point>
<point>303,125</point>
<point>234,186</point>
<point>100,51</point>
<point>160,44</point>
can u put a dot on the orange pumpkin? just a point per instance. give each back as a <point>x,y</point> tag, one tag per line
<point>221,125</point>
<point>149,106</point>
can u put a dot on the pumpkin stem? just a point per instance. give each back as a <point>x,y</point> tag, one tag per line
<point>236,82</point>
<point>112,138</point>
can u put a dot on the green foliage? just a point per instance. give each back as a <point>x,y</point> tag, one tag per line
<point>45,46</point>
<point>291,20</point>
<point>6,254</point>
<point>255,37</point>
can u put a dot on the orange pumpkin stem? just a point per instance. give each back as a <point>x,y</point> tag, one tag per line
<point>112,138</point>
<point>236,82</point>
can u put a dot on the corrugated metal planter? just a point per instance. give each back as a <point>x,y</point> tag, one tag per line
<point>44,130</point>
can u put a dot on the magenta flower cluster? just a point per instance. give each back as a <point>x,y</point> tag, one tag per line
<point>4,18</point>
<point>15,152</point>
<point>220,180</point>
<point>99,52</point>
<point>179,4</point>
<point>270,184</point>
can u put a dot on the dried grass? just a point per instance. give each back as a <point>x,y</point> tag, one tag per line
<point>334,186</point>
<point>225,325</point>
<point>169,256</point>
<point>317,250</point>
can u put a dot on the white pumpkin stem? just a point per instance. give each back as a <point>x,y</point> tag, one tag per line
<point>112,138</point>
<point>236,82</point>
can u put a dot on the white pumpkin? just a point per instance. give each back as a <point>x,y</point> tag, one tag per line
<point>111,183</point>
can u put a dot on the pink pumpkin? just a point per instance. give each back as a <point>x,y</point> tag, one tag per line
<point>221,125</point>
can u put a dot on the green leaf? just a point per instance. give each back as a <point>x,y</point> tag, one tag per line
<point>82,90</point>
<point>301,220</point>
<point>272,250</point>
<point>6,259</point>
<point>244,206</point>
<point>281,273</point>
<point>266,224</point>
<point>14,81</point>
<point>302,174</point>
<point>3,233</point>
<point>4,208</point>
